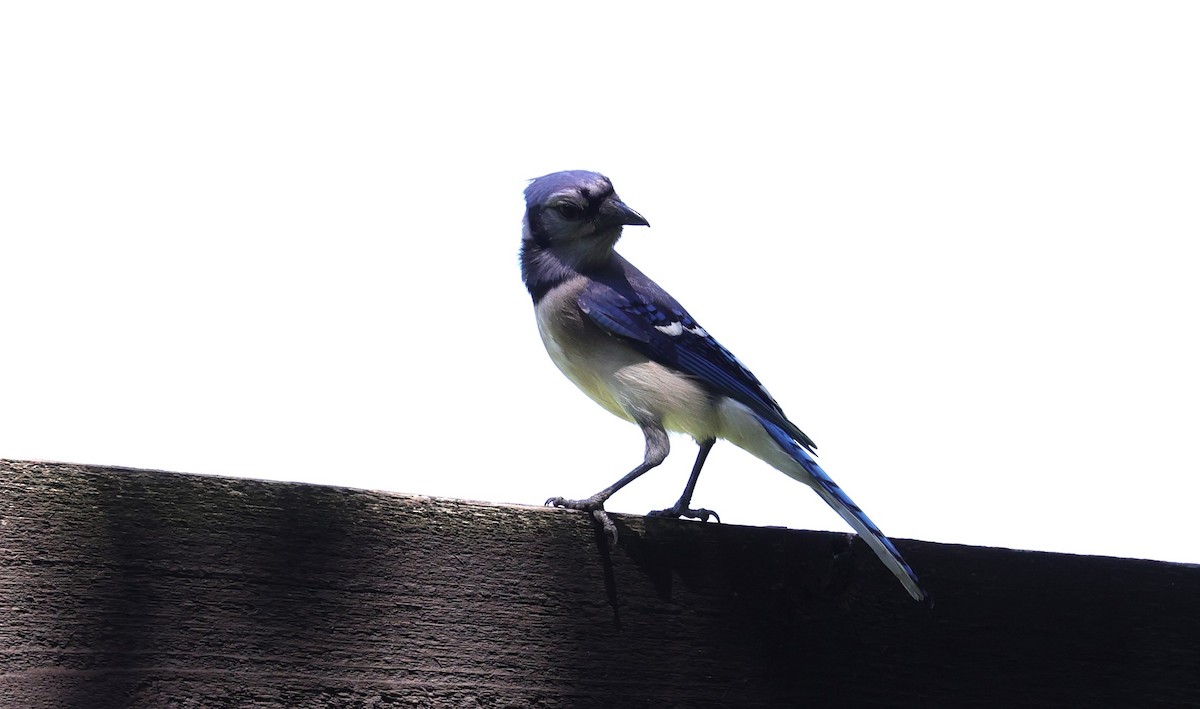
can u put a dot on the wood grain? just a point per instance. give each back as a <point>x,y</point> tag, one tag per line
<point>134,588</point>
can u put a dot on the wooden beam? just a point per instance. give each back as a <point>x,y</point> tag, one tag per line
<point>134,588</point>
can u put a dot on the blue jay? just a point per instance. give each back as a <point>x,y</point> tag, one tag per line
<point>634,350</point>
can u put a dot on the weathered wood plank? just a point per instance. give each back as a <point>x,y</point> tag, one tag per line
<point>133,588</point>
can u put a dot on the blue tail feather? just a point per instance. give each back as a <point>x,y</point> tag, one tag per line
<point>833,495</point>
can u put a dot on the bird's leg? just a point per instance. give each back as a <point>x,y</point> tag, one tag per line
<point>658,445</point>
<point>682,508</point>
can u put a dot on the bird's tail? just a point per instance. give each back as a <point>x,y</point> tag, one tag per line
<point>852,513</point>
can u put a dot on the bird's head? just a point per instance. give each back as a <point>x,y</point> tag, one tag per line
<point>576,216</point>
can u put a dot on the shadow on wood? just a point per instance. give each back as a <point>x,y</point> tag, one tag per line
<point>132,588</point>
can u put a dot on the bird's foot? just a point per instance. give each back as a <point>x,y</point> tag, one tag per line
<point>591,504</point>
<point>586,505</point>
<point>683,511</point>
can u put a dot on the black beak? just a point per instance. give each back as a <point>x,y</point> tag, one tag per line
<point>614,212</point>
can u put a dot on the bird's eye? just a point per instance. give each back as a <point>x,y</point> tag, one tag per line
<point>568,210</point>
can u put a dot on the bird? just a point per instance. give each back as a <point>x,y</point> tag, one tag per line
<point>635,351</point>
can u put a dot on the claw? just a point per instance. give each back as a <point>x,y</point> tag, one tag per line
<point>701,514</point>
<point>588,505</point>
<point>602,517</point>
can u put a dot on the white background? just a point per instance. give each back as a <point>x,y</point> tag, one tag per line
<point>958,242</point>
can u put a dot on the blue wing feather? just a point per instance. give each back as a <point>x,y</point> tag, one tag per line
<point>626,304</point>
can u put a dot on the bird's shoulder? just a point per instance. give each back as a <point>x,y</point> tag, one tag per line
<point>625,301</point>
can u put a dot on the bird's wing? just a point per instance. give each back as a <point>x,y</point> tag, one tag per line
<point>654,324</point>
